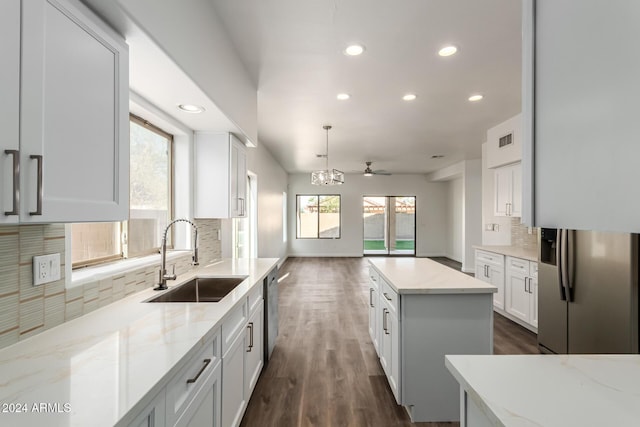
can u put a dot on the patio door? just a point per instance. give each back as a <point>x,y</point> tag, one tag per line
<point>389,225</point>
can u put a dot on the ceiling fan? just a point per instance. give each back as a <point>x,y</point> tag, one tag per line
<point>369,172</point>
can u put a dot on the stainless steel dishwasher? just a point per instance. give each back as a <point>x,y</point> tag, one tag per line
<point>271,312</point>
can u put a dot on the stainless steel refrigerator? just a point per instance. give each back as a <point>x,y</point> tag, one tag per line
<point>587,292</point>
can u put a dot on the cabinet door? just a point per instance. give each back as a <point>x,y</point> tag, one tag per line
<point>373,317</point>
<point>74,123</point>
<point>502,191</point>
<point>205,408</point>
<point>586,115</point>
<point>389,349</point>
<point>394,376</point>
<point>153,415</point>
<point>517,289</point>
<point>496,277</point>
<point>255,350</point>
<point>516,191</point>
<point>238,176</point>
<point>9,107</point>
<point>233,383</point>
<point>533,295</point>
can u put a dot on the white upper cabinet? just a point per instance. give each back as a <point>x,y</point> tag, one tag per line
<point>508,191</point>
<point>74,124</point>
<point>221,176</point>
<point>504,143</point>
<point>9,109</point>
<point>585,116</point>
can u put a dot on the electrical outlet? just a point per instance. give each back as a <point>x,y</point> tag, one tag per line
<point>46,269</point>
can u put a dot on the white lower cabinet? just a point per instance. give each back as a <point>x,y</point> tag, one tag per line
<point>490,269</point>
<point>212,389</point>
<point>374,300</point>
<point>517,283</point>
<point>522,290</point>
<point>255,349</point>
<point>414,333</point>
<point>233,383</point>
<point>389,331</point>
<point>152,415</point>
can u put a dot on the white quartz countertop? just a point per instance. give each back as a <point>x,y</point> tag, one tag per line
<point>552,390</point>
<point>109,364</point>
<point>425,276</point>
<point>530,254</point>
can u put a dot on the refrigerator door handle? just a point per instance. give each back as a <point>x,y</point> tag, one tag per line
<point>559,259</point>
<point>565,264</point>
<point>568,265</point>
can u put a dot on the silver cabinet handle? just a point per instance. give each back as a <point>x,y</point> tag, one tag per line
<point>525,285</point>
<point>38,210</point>
<point>386,296</point>
<point>384,321</point>
<point>250,327</point>
<point>16,181</point>
<point>204,366</point>
<point>371,297</point>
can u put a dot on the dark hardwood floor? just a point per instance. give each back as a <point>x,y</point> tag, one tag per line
<point>324,370</point>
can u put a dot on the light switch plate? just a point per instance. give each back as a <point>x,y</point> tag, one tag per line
<point>46,269</point>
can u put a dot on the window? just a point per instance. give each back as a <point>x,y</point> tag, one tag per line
<point>318,216</point>
<point>150,203</point>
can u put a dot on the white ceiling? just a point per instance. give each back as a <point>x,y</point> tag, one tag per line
<point>293,50</point>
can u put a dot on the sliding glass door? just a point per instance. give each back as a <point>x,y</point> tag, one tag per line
<point>389,225</point>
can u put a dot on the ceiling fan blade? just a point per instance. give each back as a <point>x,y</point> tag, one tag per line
<point>381,172</point>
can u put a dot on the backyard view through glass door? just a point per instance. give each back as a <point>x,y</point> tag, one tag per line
<point>389,225</point>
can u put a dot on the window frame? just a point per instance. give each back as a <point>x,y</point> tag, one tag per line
<point>124,225</point>
<point>318,236</point>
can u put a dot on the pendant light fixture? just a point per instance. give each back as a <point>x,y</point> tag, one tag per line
<point>327,176</point>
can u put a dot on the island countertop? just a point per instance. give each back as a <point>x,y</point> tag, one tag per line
<point>425,276</point>
<point>552,390</point>
<point>99,369</point>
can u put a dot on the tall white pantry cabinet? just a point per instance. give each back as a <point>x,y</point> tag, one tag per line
<point>65,115</point>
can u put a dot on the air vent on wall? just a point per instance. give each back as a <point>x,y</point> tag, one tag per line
<point>505,140</point>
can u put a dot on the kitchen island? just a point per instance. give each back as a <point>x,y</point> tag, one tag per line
<point>420,311</point>
<point>548,390</point>
<point>115,365</point>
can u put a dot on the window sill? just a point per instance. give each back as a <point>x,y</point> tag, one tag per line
<point>93,274</point>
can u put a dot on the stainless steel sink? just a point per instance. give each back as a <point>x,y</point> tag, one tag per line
<point>201,289</point>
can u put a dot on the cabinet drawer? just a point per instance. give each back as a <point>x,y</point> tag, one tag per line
<point>374,277</point>
<point>533,269</point>
<point>189,380</point>
<point>234,325</point>
<point>388,294</point>
<point>255,298</point>
<point>518,265</point>
<point>490,258</point>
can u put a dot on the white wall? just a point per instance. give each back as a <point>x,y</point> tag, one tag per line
<point>472,234</point>
<point>455,218</point>
<point>464,210</point>
<point>431,212</point>
<point>272,182</point>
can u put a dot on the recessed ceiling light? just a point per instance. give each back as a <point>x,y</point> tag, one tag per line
<point>447,51</point>
<point>409,97</point>
<point>354,50</point>
<point>189,108</point>
<point>343,96</point>
<point>474,98</point>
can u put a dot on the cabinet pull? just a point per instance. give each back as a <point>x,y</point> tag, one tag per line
<point>525,285</point>
<point>16,181</point>
<point>38,210</point>
<point>384,320</point>
<point>193,380</point>
<point>371,297</point>
<point>250,326</point>
<point>386,296</point>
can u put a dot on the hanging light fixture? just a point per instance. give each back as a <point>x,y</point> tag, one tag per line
<point>327,176</point>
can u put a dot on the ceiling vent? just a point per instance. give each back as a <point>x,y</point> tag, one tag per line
<point>505,141</point>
